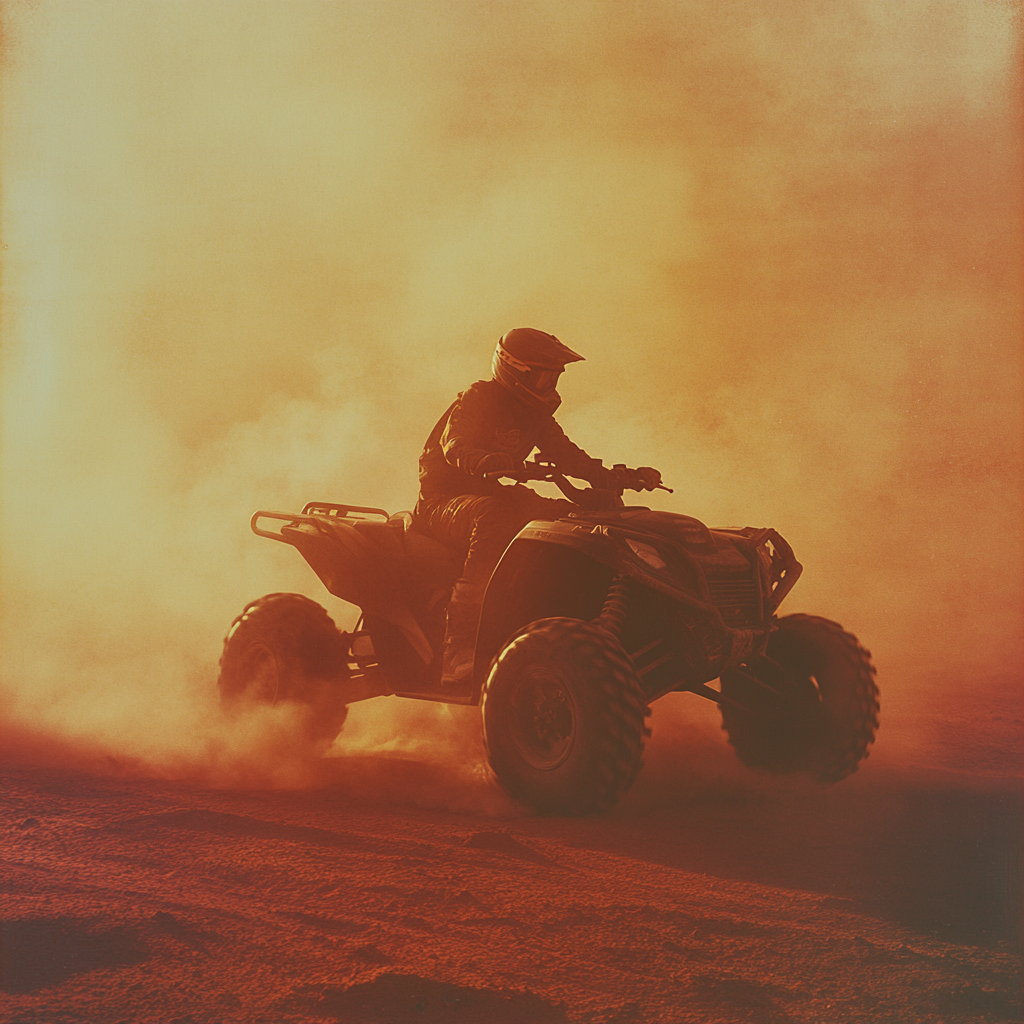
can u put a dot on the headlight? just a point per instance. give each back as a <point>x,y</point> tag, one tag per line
<point>646,553</point>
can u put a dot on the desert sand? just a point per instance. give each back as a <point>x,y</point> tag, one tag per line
<point>404,886</point>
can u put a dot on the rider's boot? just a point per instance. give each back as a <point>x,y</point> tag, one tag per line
<point>460,634</point>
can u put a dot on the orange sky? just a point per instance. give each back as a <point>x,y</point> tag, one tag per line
<point>252,250</point>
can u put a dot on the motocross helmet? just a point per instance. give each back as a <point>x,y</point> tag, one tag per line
<point>528,363</point>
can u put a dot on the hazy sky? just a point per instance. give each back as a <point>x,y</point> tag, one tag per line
<point>252,251</point>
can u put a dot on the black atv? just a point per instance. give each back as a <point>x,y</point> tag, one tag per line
<point>585,622</point>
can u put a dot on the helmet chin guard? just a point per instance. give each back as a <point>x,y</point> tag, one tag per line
<point>528,362</point>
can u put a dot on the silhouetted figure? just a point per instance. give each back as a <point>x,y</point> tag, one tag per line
<point>491,428</point>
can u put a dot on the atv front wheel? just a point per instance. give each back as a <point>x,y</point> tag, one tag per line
<point>826,712</point>
<point>286,648</point>
<point>563,717</point>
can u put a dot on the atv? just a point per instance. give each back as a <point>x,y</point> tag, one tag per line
<point>586,621</point>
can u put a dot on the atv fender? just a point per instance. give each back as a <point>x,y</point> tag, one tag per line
<point>564,569</point>
<point>549,570</point>
<point>363,573</point>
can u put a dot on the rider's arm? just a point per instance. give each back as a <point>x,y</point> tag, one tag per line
<point>555,447</point>
<point>463,439</point>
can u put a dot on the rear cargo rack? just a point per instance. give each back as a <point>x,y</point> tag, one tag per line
<point>311,512</point>
<point>323,508</point>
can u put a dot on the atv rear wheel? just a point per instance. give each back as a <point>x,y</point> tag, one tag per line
<point>828,712</point>
<point>563,717</point>
<point>286,648</point>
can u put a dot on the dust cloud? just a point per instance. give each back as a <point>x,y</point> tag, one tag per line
<point>252,250</point>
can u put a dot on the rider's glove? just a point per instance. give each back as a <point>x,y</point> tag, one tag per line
<point>497,462</point>
<point>621,478</point>
<point>649,478</point>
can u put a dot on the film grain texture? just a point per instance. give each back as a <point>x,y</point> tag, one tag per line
<point>251,251</point>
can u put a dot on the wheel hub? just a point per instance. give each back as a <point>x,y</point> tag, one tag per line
<point>264,672</point>
<point>543,725</point>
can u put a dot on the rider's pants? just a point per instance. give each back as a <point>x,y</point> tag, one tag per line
<point>484,525</point>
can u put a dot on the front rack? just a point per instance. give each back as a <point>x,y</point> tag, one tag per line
<point>785,569</point>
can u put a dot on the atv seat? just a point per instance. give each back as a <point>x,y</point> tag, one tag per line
<point>424,558</point>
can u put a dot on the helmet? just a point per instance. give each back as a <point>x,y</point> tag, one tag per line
<point>528,362</point>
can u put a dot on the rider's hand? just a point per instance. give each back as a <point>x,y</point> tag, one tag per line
<point>648,477</point>
<point>497,462</point>
<point>643,479</point>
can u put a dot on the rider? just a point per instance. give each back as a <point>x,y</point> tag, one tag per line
<point>490,429</point>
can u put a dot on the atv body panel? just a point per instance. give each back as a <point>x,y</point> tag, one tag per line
<point>400,578</point>
<point>699,599</point>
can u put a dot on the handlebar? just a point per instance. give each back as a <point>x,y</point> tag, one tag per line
<point>544,471</point>
<point>530,471</point>
<point>548,472</point>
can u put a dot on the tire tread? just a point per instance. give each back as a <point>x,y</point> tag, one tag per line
<point>307,641</point>
<point>850,733</point>
<point>622,710</point>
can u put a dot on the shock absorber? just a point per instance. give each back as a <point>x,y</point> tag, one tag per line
<point>613,614</point>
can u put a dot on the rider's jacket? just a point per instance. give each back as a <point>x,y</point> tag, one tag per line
<point>484,419</point>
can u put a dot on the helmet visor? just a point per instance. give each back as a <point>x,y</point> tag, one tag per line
<point>541,381</point>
